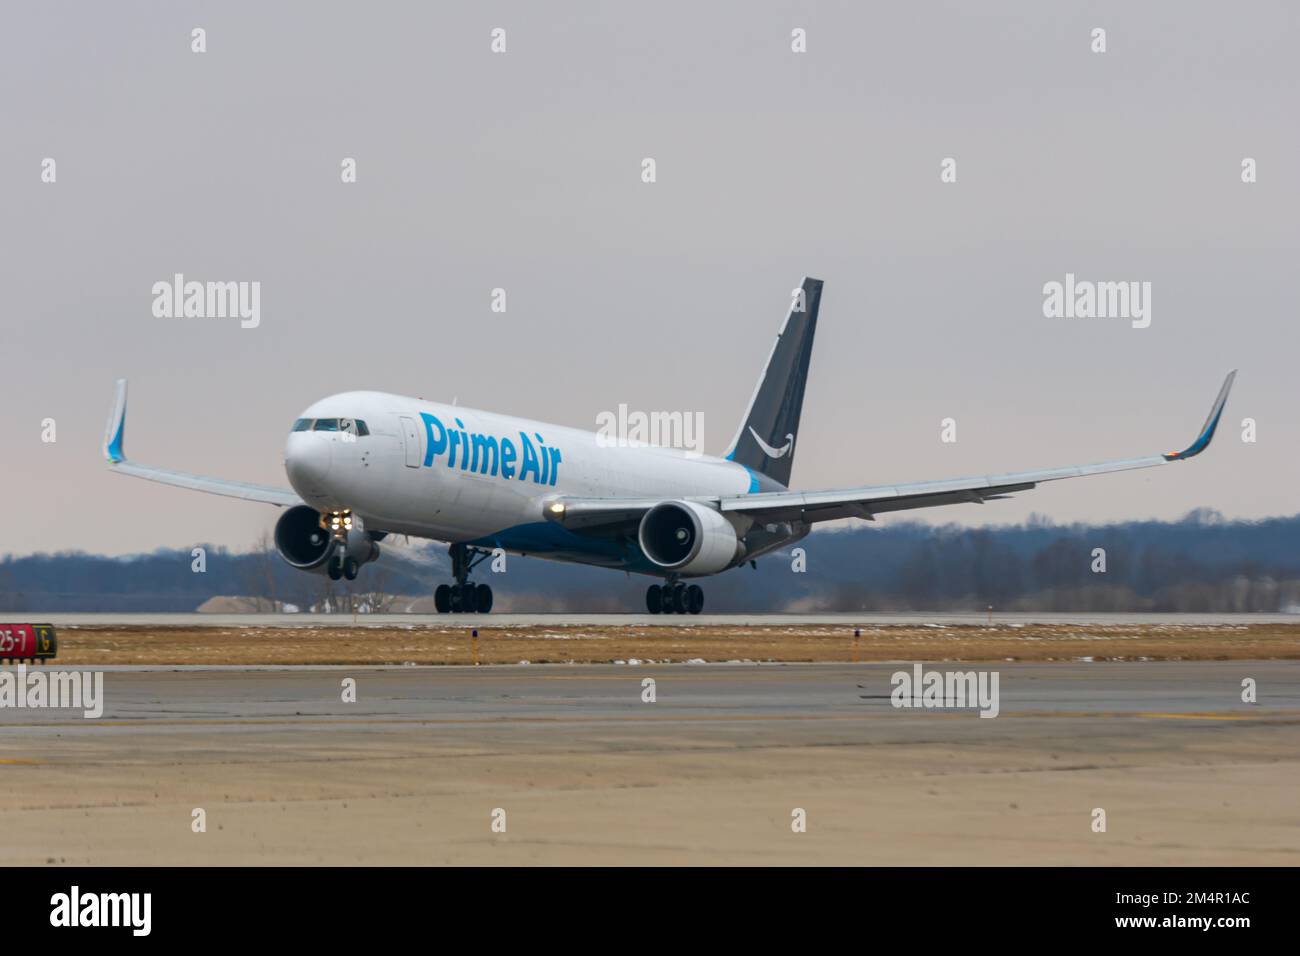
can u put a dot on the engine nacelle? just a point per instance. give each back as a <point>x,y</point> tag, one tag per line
<point>688,538</point>
<point>305,545</point>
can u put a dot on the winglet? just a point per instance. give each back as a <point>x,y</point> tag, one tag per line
<point>1211,423</point>
<point>115,433</point>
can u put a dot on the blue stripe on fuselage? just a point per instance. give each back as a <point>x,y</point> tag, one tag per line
<point>547,539</point>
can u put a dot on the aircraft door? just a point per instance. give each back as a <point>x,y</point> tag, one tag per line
<point>411,439</point>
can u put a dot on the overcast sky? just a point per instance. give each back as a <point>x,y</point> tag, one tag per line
<point>522,170</point>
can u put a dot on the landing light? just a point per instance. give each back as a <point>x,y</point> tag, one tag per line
<point>557,508</point>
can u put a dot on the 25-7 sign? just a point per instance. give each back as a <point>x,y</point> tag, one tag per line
<point>21,641</point>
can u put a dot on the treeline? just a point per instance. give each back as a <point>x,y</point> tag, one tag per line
<point>1201,563</point>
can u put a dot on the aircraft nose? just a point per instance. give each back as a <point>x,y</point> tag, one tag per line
<point>307,458</point>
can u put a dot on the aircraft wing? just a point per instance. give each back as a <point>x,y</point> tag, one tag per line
<point>114,437</point>
<point>813,506</point>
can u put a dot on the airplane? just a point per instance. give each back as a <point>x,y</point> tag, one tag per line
<point>363,465</point>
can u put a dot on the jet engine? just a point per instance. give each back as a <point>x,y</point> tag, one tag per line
<point>688,538</point>
<point>305,545</point>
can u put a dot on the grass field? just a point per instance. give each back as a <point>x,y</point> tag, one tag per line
<point>454,644</point>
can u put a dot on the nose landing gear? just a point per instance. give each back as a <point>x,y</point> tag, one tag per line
<point>673,597</point>
<point>338,524</point>
<point>463,596</point>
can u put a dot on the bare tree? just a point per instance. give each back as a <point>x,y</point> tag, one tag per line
<point>11,599</point>
<point>375,595</point>
<point>258,578</point>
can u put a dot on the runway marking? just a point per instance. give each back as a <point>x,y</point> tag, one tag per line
<point>1276,717</point>
<point>595,719</point>
<point>1284,716</point>
<point>20,763</point>
<point>1199,716</point>
<point>723,679</point>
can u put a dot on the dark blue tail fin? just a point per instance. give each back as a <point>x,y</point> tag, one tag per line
<point>766,440</point>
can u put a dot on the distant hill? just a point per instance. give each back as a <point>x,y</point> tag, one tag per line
<point>1201,563</point>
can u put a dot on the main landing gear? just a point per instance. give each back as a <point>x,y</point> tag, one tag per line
<point>464,597</point>
<point>343,567</point>
<point>674,597</point>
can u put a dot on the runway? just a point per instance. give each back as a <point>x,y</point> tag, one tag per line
<point>848,619</point>
<point>587,772</point>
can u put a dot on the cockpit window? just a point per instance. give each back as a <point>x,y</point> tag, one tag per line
<point>302,425</point>
<point>352,426</point>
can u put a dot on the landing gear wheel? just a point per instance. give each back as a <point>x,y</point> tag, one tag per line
<point>654,599</point>
<point>464,596</point>
<point>678,600</point>
<point>335,569</point>
<point>694,599</point>
<point>350,568</point>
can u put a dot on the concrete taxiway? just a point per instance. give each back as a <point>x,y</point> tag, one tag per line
<point>713,770</point>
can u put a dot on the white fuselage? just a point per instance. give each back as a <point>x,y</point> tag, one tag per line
<point>460,474</point>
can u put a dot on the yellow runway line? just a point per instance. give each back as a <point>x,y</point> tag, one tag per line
<point>1290,716</point>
